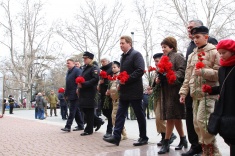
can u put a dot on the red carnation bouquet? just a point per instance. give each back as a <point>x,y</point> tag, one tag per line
<point>123,77</point>
<point>165,68</point>
<point>150,74</point>
<point>79,79</point>
<point>103,74</point>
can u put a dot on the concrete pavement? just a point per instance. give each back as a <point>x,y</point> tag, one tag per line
<point>21,134</point>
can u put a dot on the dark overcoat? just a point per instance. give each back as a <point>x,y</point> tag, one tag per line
<point>71,86</point>
<point>88,91</point>
<point>133,63</point>
<point>226,101</point>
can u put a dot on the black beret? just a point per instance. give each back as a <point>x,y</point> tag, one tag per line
<point>10,96</point>
<point>88,54</point>
<point>117,63</point>
<point>157,55</point>
<point>200,30</point>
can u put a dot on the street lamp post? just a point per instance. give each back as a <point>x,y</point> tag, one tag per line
<point>132,34</point>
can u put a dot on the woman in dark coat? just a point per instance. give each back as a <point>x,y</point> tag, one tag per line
<point>87,92</point>
<point>171,109</point>
<point>226,89</point>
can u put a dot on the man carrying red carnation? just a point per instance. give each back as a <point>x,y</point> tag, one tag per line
<point>202,68</point>
<point>131,92</point>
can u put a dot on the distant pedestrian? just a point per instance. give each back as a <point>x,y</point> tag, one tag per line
<point>11,103</point>
<point>63,103</point>
<point>53,100</point>
<point>40,104</point>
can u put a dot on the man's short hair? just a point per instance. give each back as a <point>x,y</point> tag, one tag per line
<point>197,22</point>
<point>128,39</point>
<point>72,60</point>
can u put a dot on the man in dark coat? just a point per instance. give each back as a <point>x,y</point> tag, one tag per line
<point>102,87</point>
<point>11,103</point>
<point>72,97</point>
<point>131,92</point>
<point>192,135</point>
<point>87,93</point>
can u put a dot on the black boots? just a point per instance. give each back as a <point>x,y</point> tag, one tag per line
<point>183,143</point>
<point>163,137</point>
<point>165,147</point>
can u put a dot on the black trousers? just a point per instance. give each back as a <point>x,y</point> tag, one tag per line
<point>63,110</point>
<point>192,135</point>
<point>108,114</point>
<point>11,108</point>
<point>121,115</point>
<point>89,113</point>
<point>232,150</point>
<point>73,108</point>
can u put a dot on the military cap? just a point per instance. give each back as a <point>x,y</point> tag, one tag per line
<point>200,30</point>
<point>157,55</point>
<point>88,54</point>
<point>117,63</point>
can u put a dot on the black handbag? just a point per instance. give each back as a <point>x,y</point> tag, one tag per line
<point>214,120</point>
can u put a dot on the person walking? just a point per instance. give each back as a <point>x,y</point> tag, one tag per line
<point>131,92</point>
<point>40,104</point>
<point>171,109</point>
<point>192,135</point>
<point>202,68</point>
<point>102,88</point>
<point>72,97</point>
<point>11,102</point>
<point>87,93</point>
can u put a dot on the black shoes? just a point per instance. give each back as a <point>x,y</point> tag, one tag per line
<point>107,135</point>
<point>66,129</point>
<point>162,140</point>
<point>165,147</point>
<point>192,152</point>
<point>141,142</point>
<point>183,143</point>
<point>78,129</point>
<point>99,125</point>
<point>173,137</point>
<point>112,140</point>
<point>85,133</point>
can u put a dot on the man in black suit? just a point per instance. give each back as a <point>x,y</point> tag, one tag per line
<point>192,135</point>
<point>131,92</point>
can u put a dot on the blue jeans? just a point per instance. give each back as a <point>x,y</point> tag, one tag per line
<point>40,113</point>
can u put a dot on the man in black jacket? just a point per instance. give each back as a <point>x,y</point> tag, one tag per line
<point>192,135</point>
<point>131,92</point>
<point>102,87</point>
<point>71,96</point>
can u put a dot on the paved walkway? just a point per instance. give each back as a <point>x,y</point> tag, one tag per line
<point>21,134</point>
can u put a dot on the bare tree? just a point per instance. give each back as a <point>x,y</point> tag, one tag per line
<point>96,28</point>
<point>217,15</point>
<point>146,16</point>
<point>29,50</point>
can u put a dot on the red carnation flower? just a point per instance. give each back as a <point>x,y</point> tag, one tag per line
<point>201,59</point>
<point>123,77</point>
<point>171,77</point>
<point>150,69</point>
<point>206,88</point>
<point>79,79</point>
<point>203,53</point>
<point>200,65</point>
<point>103,74</point>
